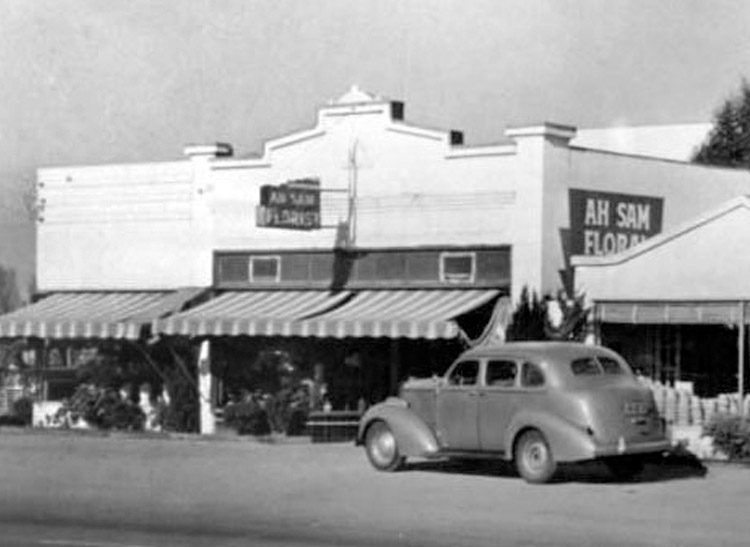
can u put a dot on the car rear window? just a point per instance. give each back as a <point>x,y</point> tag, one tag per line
<point>594,366</point>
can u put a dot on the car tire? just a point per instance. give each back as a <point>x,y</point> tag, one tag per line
<point>382,448</point>
<point>625,468</point>
<point>533,458</point>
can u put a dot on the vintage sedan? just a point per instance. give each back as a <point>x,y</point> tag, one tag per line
<point>534,403</point>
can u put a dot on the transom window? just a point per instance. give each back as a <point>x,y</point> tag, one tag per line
<point>457,267</point>
<point>265,268</point>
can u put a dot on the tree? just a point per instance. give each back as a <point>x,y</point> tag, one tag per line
<point>550,318</point>
<point>728,143</point>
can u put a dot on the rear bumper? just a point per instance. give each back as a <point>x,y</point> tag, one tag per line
<point>625,448</point>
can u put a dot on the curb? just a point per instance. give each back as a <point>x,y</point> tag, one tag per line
<point>139,435</point>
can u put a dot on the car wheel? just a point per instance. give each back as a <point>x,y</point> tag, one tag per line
<point>382,448</point>
<point>625,468</point>
<point>533,457</point>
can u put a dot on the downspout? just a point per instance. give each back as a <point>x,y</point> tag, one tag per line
<point>741,358</point>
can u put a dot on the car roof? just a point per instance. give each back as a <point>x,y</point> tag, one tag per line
<point>546,350</point>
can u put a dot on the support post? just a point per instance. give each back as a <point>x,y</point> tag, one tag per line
<point>678,352</point>
<point>741,357</point>
<point>395,365</point>
<point>205,381</point>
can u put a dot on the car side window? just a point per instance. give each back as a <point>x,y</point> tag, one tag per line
<point>610,366</point>
<point>594,366</point>
<point>501,373</point>
<point>586,366</point>
<point>532,375</point>
<point>464,373</point>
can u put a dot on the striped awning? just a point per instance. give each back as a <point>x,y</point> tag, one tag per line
<point>250,313</point>
<point>119,315</point>
<point>675,313</point>
<point>378,313</point>
<point>428,314</point>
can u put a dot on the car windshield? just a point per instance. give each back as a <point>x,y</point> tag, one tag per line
<point>595,366</point>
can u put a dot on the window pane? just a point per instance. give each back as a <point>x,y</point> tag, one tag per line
<point>264,268</point>
<point>585,367</point>
<point>458,266</point>
<point>422,266</point>
<point>391,266</point>
<point>464,374</point>
<point>610,366</point>
<point>501,373</point>
<point>234,268</point>
<point>532,375</point>
<point>321,267</point>
<point>296,267</point>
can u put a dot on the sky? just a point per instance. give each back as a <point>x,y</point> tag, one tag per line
<point>114,81</point>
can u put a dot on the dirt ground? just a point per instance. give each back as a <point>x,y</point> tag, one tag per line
<point>328,494</point>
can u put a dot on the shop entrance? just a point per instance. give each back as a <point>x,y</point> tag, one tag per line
<point>701,357</point>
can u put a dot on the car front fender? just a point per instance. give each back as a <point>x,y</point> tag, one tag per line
<point>569,442</point>
<point>413,436</point>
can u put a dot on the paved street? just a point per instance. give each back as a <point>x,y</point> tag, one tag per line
<point>80,491</point>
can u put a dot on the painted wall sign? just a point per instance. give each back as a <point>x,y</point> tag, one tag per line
<point>293,205</point>
<point>604,223</point>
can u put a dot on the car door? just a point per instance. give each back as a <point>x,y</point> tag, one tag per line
<point>508,386</point>
<point>500,396</point>
<point>457,407</point>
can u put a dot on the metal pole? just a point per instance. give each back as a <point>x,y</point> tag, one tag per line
<point>352,220</point>
<point>741,358</point>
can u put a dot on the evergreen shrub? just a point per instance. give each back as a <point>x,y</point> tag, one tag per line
<point>731,435</point>
<point>247,418</point>
<point>23,409</point>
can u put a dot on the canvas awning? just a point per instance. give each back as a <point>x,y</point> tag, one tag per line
<point>119,315</point>
<point>250,313</point>
<point>371,313</point>
<point>428,314</point>
<point>675,313</point>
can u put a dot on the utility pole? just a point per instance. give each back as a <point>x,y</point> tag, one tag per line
<point>353,169</point>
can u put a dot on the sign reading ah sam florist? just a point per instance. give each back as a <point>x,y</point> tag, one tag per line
<point>603,223</point>
<point>293,205</point>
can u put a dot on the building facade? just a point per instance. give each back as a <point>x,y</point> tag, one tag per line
<point>361,229</point>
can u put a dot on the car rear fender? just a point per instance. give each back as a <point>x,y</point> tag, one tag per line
<point>413,435</point>
<point>568,441</point>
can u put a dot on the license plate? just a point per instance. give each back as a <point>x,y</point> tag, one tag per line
<point>635,408</point>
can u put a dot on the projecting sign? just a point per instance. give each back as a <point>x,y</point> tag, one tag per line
<point>603,223</point>
<point>293,205</point>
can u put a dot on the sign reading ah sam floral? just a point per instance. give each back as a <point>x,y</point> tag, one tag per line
<point>293,205</point>
<point>604,223</point>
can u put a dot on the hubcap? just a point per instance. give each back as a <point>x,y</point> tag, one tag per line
<point>536,456</point>
<point>382,445</point>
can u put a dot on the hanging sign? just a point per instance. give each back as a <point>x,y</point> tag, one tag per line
<point>604,223</point>
<point>294,205</point>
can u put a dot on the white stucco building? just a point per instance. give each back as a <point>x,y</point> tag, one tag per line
<point>396,211</point>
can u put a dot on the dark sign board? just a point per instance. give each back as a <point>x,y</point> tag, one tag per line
<point>604,223</point>
<point>293,205</point>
